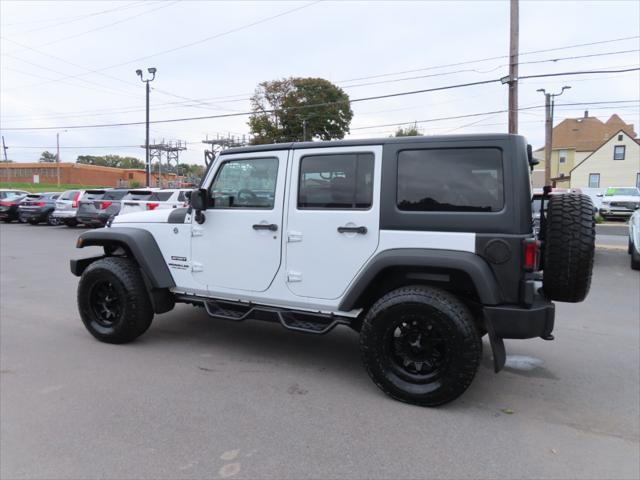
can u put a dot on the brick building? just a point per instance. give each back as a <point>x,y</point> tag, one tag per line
<point>79,174</point>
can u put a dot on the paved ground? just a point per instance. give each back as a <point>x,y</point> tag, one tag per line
<point>198,398</point>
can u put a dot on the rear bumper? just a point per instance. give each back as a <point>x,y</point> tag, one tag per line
<point>39,215</point>
<point>93,219</point>
<point>64,213</point>
<point>514,321</point>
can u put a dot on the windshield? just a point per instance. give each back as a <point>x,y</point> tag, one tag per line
<point>634,192</point>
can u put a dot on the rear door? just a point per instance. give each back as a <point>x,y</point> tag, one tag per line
<point>333,218</point>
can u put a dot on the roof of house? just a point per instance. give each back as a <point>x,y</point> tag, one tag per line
<point>602,145</point>
<point>586,134</point>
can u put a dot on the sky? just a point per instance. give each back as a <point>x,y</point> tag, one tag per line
<point>72,63</point>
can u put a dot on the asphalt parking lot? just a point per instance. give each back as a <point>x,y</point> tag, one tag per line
<point>202,398</point>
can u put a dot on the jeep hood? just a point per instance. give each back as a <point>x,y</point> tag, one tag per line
<point>149,216</point>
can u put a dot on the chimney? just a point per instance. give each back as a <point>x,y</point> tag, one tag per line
<point>586,113</point>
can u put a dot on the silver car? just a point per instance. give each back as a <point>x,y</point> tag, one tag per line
<point>634,240</point>
<point>67,207</point>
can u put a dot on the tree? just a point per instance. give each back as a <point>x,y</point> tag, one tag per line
<point>283,111</point>
<point>47,157</point>
<point>408,132</point>
<point>111,161</point>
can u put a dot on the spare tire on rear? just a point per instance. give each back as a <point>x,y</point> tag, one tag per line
<point>569,245</point>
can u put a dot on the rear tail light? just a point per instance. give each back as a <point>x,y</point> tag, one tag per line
<point>39,204</point>
<point>152,206</point>
<point>74,204</point>
<point>6,204</point>
<point>531,250</point>
<point>105,204</point>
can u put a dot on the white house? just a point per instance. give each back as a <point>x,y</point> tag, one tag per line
<point>616,163</point>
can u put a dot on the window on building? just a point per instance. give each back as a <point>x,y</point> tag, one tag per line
<point>248,183</point>
<point>562,156</point>
<point>340,181</point>
<point>618,152</point>
<point>619,138</point>
<point>130,175</point>
<point>594,180</point>
<point>455,179</point>
<point>638,180</point>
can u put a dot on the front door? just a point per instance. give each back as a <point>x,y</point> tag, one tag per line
<point>333,218</point>
<point>238,247</point>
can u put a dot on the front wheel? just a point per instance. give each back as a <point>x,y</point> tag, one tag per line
<point>113,302</point>
<point>421,345</point>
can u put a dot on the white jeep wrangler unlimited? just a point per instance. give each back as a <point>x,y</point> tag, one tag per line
<point>420,244</point>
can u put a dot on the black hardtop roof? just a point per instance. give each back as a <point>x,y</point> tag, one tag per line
<point>370,141</point>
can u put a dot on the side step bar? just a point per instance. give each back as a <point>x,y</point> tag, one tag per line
<point>318,323</point>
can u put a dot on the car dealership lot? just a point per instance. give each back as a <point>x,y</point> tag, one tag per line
<point>202,398</point>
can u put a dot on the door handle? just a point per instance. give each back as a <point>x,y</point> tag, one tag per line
<point>268,226</point>
<point>360,230</point>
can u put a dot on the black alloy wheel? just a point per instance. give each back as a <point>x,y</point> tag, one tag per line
<point>106,304</point>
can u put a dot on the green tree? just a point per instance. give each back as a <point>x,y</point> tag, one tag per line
<point>408,132</point>
<point>47,157</point>
<point>111,161</point>
<point>283,111</point>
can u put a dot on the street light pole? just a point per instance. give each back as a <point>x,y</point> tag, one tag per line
<point>58,156</point>
<point>152,71</point>
<point>549,103</point>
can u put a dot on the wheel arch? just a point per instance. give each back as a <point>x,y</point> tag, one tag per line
<point>141,247</point>
<point>462,273</point>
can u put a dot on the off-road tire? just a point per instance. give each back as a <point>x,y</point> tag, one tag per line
<point>569,246</point>
<point>454,324</point>
<point>135,309</point>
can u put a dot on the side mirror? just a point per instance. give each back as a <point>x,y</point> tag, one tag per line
<point>199,199</point>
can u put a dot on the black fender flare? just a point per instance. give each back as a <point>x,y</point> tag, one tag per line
<point>474,266</point>
<point>139,242</point>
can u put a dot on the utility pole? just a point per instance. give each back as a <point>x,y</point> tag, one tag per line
<point>514,40</point>
<point>152,71</point>
<point>304,130</point>
<point>549,102</point>
<point>58,156</point>
<point>4,149</point>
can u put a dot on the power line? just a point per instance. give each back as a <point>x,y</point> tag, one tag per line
<point>197,42</point>
<point>500,57</point>
<point>363,99</point>
<point>102,27</point>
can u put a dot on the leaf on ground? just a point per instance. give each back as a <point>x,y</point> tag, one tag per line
<point>508,411</point>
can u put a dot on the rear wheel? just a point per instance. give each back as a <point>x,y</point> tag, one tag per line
<point>33,221</point>
<point>51,220</point>
<point>420,345</point>
<point>635,258</point>
<point>6,220</point>
<point>569,246</point>
<point>113,301</point>
<point>71,222</point>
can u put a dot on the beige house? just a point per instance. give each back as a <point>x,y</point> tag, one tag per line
<point>615,164</point>
<point>574,139</point>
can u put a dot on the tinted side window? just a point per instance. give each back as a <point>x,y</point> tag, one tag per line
<point>458,180</point>
<point>248,183</point>
<point>69,195</point>
<point>114,194</point>
<point>340,181</point>
<point>160,196</point>
<point>182,196</point>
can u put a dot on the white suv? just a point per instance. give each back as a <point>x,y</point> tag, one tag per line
<point>421,244</point>
<point>67,207</point>
<point>154,199</point>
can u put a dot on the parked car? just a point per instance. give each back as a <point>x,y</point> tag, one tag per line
<point>67,207</point>
<point>420,244</point>
<point>9,204</point>
<point>157,200</point>
<point>619,202</point>
<point>95,207</point>
<point>634,239</point>
<point>38,207</point>
<point>9,193</point>
<point>135,200</point>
